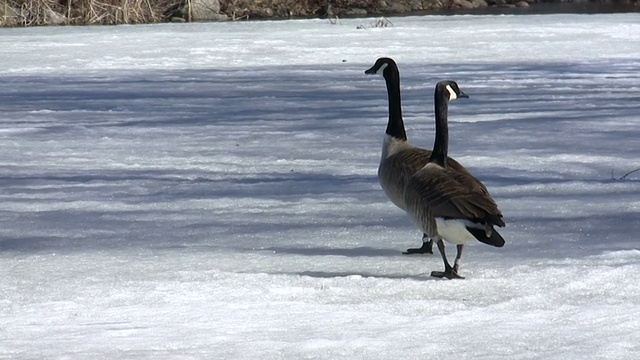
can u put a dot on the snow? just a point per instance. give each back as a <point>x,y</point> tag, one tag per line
<point>209,191</point>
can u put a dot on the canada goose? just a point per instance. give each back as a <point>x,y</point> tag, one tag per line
<point>448,204</point>
<point>400,160</point>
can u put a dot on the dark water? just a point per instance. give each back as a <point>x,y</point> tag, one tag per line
<point>548,8</point>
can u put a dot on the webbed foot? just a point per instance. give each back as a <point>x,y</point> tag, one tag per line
<point>448,273</point>
<point>426,248</point>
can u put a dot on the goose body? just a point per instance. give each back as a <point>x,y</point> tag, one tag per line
<point>448,204</point>
<point>400,160</point>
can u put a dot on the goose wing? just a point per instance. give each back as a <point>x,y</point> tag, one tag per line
<point>407,162</point>
<point>455,195</point>
<point>468,180</point>
<point>395,171</point>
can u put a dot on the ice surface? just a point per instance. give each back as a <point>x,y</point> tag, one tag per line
<point>209,191</point>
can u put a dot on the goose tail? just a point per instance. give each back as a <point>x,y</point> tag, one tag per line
<point>488,237</point>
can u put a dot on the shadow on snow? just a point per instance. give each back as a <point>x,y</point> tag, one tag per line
<point>328,101</point>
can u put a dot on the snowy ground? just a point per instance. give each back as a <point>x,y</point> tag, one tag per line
<point>208,191</point>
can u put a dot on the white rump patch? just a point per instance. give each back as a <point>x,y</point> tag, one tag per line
<point>455,231</point>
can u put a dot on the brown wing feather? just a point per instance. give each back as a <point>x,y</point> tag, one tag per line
<point>452,194</point>
<point>396,171</point>
<point>469,179</point>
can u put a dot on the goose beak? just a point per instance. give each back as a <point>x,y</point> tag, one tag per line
<point>463,95</point>
<point>370,72</point>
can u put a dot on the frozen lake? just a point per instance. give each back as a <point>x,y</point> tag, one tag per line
<point>209,191</point>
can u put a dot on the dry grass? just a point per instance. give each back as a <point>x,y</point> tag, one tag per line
<point>83,12</point>
<point>382,22</point>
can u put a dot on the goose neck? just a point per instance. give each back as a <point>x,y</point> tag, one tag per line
<point>441,144</point>
<point>395,126</point>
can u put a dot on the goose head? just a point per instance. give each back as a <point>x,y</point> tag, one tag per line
<point>449,90</point>
<point>384,67</point>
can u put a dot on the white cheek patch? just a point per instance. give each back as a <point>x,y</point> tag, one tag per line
<point>381,69</point>
<point>452,94</point>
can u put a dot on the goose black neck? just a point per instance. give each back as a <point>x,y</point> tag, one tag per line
<point>441,145</point>
<point>395,126</point>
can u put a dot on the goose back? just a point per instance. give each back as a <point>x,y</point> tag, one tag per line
<point>400,161</point>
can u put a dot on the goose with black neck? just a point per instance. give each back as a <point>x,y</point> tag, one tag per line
<point>399,159</point>
<point>449,205</point>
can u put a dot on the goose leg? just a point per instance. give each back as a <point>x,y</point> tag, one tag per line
<point>456,263</point>
<point>426,248</point>
<point>449,272</point>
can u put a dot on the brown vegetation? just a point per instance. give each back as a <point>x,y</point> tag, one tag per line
<point>55,12</point>
<point>109,12</point>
